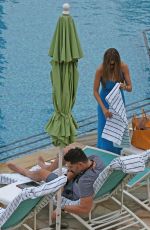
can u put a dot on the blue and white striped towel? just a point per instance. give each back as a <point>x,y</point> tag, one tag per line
<point>130,164</point>
<point>49,189</point>
<point>116,128</point>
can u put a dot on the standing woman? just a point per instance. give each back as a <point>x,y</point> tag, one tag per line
<point>111,71</point>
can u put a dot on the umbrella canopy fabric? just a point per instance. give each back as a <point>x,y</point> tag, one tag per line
<point>65,45</point>
<point>65,51</point>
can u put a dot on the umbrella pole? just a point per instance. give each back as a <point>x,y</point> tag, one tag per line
<point>58,210</point>
<point>66,61</point>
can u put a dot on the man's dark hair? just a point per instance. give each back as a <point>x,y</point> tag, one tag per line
<point>75,155</point>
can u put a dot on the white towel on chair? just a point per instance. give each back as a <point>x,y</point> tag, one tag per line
<point>116,128</point>
<point>130,164</point>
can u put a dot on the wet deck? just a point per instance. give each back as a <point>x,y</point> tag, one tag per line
<point>50,153</point>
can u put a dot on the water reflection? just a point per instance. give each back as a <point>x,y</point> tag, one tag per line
<point>135,11</point>
<point>135,15</point>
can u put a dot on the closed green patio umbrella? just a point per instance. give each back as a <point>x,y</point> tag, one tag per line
<point>65,51</point>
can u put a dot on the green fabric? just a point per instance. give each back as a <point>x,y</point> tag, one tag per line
<point>65,51</point>
<point>104,156</point>
<point>65,45</point>
<point>112,182</point>
<point>21,212</point>
<point>139,177</point>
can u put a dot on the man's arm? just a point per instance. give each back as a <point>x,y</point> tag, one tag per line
<point>84,207</point>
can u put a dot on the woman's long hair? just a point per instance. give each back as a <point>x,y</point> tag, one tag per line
<point>111,55</point>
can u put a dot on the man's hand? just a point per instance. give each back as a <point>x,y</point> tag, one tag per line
<point>67,148</point>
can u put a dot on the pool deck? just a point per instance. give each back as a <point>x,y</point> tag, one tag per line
<point>50,153</point>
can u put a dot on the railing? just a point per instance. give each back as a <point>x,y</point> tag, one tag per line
<point>42,140</point>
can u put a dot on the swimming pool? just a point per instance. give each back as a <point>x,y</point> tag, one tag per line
<point>26,30</point>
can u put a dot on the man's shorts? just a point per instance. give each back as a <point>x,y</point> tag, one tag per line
<point>51,177</point>
<point>55,174</point>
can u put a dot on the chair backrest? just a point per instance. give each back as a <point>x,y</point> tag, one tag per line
<point>114,179</point>
<point>139,177</point>
<point>104,155</point>
<point>27,200</point>
<point>21,212</point>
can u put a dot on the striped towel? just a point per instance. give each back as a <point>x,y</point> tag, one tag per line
<point>49,189</point>
<point>130,164</point>
<point>116,128</point>
<point>8,178</point>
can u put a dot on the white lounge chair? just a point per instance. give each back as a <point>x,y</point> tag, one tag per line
<point>142,179</point>
<point>28,203</point>
<point>112,178</point>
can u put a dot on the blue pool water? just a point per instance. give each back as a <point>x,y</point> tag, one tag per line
<point>26,29</point>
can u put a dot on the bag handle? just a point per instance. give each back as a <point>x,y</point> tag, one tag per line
<point>134,122</point>
<point>144,115</point>
<point>137,123</point>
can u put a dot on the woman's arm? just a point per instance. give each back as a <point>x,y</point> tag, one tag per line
<point>97,82</point>
<point>128,85</point>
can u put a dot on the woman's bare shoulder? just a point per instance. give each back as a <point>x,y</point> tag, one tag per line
<point>124,66</point>
<point>100,68</point>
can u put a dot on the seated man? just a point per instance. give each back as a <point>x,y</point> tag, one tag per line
<point>84,171</point>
